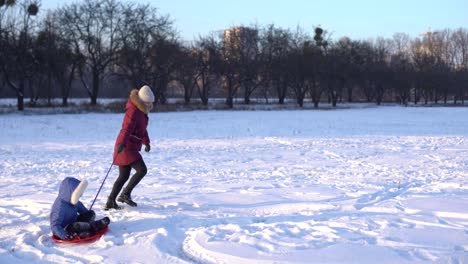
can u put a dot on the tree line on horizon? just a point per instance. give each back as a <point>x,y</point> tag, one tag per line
<point>118,45</point>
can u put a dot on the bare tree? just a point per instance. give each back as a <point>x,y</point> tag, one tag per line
<point>55,60</point>
<point>44,56</point>
<point>334,65</point>
<point>315,62</point>
<point>94,26</point>
<point>298,63</point>
<point>16,34</point>
<point>380,72</point>
<point>345,57</point>
<point>186,71</point>
<point>208,65</point>
<point>275,45</point>
<point>460,42</point>
<point>401,67</point>
<point>432,64</point>
<point>6,26</point>
<point>402,77</point>
<point>164,54</point>
<point>232,48</point>
<point>251,65</point>
<point>422,62</point>
<point>445,64</point>
<point>140,29</point>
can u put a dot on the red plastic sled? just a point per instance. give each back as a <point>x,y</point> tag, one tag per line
<point>77,240</point>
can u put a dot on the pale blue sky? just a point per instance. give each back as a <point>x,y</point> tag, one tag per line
<point>358,19</point>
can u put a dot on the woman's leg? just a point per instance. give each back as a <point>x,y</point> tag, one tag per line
<point>124,174</point>
<point>140,172</point>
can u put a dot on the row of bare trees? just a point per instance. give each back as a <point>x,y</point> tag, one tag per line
<point>87,42</point>
<point>91,44</point>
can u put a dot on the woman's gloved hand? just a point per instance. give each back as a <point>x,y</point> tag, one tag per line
<point>120,148</point>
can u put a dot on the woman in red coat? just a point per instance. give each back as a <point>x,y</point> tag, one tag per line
<point>132,137</point>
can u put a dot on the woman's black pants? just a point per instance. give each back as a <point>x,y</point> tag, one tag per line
<point>124,173</point>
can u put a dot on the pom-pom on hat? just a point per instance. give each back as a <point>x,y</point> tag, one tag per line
<point>145,94</point>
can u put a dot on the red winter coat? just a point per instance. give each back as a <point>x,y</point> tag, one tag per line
<point>133,133</point>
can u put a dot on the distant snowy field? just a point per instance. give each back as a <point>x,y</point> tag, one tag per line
<point>373,185</point>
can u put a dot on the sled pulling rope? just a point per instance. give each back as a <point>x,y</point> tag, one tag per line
<point>102,184</point>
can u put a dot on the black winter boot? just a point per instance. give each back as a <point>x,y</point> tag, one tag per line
<point>111,204</point>
<point>100,224</point>
<point>87,216</point>
<point>126,198</point>
<point>78,227</point>
<point>84,234</point>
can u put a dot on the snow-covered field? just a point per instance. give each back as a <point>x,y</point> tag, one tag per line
<point>375,185</point>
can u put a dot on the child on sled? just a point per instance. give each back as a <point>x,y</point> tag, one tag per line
<point>69,217</point>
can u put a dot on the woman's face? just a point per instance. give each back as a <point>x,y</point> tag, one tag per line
<point>149,105</point>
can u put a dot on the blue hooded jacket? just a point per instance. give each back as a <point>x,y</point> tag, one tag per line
<point>64,212</point>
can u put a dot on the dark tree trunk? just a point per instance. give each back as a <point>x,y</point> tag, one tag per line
<point>230,102</point>
<point>300,101</point>
<point>21,96</point>
<point>350,93</point>
<point>95,89</point>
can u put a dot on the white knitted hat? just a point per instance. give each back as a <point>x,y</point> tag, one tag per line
<point>78,192</point>
<point>145,94</point>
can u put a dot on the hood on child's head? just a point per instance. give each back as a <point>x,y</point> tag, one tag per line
<point>71,189</point>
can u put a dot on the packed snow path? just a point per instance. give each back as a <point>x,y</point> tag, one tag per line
<point>387,185</point>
